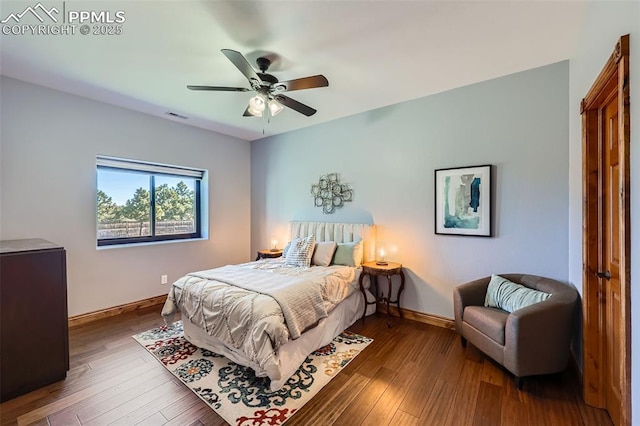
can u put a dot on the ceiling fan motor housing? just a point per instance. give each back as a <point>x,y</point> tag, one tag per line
<point>267,78</point>
<point>263,63</point>
<point>263,66</point>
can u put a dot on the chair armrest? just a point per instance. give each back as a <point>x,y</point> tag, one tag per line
<point>538,337</point>
<point>469,294</point>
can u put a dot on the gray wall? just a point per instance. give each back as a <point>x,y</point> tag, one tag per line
<point>518,123</point>
<point>48,153</point>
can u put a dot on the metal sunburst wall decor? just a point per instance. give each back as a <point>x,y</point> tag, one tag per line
<point>330,194</point>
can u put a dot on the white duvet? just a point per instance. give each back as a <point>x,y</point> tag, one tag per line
<point>236,303</point>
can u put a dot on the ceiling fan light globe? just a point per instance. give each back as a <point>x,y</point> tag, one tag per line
<point>254,112</point>
<point>257,103</point>
<point>275,108</point>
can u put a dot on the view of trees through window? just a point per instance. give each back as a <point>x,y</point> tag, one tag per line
<point>125,207</point>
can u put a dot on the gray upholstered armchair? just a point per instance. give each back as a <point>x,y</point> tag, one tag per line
<point>530,341</point>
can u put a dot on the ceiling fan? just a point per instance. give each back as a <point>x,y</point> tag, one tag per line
<point>269,99</point>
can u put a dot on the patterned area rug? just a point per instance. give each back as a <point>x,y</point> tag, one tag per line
<point>233,391</point>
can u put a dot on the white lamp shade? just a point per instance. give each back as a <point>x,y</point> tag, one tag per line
<point>275,107</point>
<point>253,112</point>
<point>256,105</point>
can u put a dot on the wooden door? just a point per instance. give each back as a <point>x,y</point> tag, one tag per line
<point>610,278</point>
<point>606,132</point>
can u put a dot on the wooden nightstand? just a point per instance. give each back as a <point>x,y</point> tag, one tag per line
<point>268,254</point>
<point>372,269</point>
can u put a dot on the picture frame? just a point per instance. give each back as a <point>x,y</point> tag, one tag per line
<point>463,201</point>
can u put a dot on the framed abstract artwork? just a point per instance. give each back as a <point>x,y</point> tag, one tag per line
<point>463,201</point>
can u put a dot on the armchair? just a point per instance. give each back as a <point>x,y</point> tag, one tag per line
<point>529,341</point>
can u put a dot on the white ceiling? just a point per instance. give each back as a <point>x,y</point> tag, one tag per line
<point>374,53</point>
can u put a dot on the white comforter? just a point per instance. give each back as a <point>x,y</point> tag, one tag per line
<point>241,304</point>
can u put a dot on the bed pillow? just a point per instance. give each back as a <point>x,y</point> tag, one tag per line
<point>300,251</point>
<point>323,253</point>
<point>348,254</point>
<point>509,296</point>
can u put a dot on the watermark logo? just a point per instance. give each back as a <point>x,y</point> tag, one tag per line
<point>38,11</point>
<point>43,20</point>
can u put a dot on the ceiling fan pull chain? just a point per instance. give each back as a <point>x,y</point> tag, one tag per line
<point>265,119</point>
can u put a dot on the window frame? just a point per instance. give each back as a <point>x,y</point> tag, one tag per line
<point>152,170</point>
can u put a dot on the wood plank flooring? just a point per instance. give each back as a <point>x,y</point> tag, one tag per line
<point>412,374</point>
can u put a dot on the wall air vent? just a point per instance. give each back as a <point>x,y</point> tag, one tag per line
<point>174,115</point>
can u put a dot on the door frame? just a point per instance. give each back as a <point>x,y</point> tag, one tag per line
<point>613,77</point>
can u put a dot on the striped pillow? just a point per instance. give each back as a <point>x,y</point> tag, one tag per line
<point>300,251</point>
<point>510,296</point>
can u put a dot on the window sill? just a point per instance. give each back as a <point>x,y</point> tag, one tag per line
<point>150,243</point>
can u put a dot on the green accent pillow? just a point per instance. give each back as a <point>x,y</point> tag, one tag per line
<point>510,296</point>
<point>348,254</point>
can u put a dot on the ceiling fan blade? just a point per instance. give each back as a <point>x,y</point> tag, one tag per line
<point>301,83</point>
<point>241,63</point>
<point>219,89</point>
<point>295,105</point>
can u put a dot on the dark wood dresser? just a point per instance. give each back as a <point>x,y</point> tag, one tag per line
<point>34,334</point>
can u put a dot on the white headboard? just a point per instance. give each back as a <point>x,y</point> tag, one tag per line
<point>340,233</point>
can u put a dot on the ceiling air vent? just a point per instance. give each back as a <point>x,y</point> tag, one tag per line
<point>174,115</point>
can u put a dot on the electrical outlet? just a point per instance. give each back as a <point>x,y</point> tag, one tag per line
<point>163,279</point>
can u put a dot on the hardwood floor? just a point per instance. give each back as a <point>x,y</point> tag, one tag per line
<point>412,374</point>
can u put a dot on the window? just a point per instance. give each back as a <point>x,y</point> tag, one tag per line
<point>140,202</point>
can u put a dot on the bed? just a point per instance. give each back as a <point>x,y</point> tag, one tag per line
<point>251,313</point>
